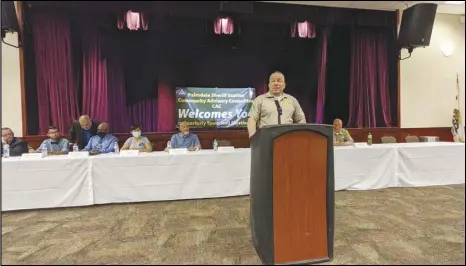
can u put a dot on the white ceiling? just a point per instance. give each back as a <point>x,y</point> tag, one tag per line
<point>381,5</point>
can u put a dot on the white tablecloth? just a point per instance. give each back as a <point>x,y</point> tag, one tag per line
<point>428,164</point>
<point>51,182</point>
<point>159,176</point>
<point>61,181</point>
<point>363,168</point>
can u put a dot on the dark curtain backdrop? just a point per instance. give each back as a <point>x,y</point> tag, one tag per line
<point>129,77</point>
<point>56,91</point>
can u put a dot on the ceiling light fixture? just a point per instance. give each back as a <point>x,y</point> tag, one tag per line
<point>454,2</point>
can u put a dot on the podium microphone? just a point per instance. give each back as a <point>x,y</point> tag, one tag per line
<point>279,109</point>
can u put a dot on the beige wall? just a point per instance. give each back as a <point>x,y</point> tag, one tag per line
<point>428,78</point>
<point>11,86</point>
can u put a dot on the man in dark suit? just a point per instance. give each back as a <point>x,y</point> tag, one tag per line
<point>17,146</point>
<point>82,131</point>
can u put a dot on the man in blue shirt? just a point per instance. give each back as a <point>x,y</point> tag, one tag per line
<point>55,145</point>
<point>185,139</point>
<point>102,142</point>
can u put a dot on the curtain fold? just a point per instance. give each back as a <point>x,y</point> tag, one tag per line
<point>321,77</point>
<point>369,87</point>
<point>56,88</point>
<point>95,91</point>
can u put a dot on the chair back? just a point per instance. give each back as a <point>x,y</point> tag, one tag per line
<point>388,139</point>
<point>412,139</point>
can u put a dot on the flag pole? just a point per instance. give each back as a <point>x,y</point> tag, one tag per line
<point>461,133</point>
<point>458,91</point>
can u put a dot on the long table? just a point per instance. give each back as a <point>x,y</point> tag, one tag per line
<point>60,181</point>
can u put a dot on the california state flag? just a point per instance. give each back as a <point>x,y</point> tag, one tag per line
<point>457,129</point>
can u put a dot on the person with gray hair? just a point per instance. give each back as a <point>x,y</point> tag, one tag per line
<point>17,146</point>
<point>341,136</point>
<point>82,131</point>
<point>185,139</point>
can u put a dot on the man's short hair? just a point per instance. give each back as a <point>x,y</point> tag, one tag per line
<point>181,123</point>
<point>7,128</point>
<point>277,72</point>
<point>53,127</point>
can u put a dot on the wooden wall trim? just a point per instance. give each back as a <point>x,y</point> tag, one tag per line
<point>240,139</point>
<point>398,65</point>
<point>19,15</point>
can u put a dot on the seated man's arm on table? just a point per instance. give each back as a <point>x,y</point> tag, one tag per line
<point>38,149</point>
<point>89,145</point>
<point>110,147</point>
<point>197,143</point>
<point>64,145</point>
<point>298,115</point>
<point>348,139</point>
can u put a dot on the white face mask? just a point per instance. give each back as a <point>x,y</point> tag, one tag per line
<point>136,134</point>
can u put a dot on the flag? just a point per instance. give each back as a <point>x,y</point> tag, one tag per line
<point>457,128</point>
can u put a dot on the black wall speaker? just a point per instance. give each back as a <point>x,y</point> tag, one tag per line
<point>9,18</point>
<point>244,7</point>
<point>416,25</point>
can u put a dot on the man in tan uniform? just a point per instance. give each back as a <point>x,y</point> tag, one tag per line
<point>341,136</point>
<point>266,107</point>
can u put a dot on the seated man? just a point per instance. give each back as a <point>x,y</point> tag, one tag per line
<point>137,142</point>
<point>341,136</point>
<point>17,146</point>
<point>185,139</point>
<point>102,142</point>
<point>56,145</point>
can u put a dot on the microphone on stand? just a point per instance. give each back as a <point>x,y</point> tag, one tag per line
<point>279,110</point>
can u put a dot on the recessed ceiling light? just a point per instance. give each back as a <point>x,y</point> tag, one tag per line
<point>454,2</point>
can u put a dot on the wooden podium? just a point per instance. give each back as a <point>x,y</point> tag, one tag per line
<point>293,193</point>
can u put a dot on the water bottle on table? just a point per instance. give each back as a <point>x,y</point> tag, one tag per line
<point>43,150</point>
<point>75,148</point>
<point>116,148</point>
<point>6,151</point>
<point>169,145</point>
<point>369,139</point>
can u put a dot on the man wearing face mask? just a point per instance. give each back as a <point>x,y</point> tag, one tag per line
<point>82,131</point>
<point>103,142</point>
<point>274,107</point>
<point>56,145</point>
<point>137,142</point>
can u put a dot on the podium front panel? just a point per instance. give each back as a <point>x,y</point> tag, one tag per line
<point>299,196</point>
<point>292,193</point>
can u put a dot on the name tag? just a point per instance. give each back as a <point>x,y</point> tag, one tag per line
<point>33,156</point>
<point>226,149</point>
<point>78,154</point>
<point>360,144</point>
<point>129,153</point>
<point>178,151</point>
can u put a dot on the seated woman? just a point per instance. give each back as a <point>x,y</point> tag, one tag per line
<point>137,142</point>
